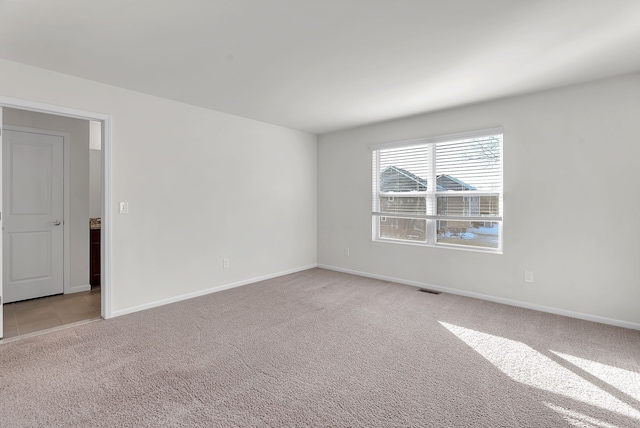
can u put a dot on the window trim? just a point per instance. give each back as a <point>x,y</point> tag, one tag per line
<point>431,241</point>
<point>436,139</point>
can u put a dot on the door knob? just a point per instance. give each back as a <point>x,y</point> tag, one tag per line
<point>56,222</point>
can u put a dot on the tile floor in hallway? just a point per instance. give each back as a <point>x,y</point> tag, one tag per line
<point>47,312</point>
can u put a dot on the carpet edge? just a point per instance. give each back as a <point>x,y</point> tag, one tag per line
<point>490,298</point>
<point>206,291</point>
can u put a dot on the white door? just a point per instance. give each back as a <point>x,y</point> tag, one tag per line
<point>33,200</point>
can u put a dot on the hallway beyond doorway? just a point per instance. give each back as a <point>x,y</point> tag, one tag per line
<point>34,315</point>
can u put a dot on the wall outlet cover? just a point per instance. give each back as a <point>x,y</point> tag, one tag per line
<point>528,276</point>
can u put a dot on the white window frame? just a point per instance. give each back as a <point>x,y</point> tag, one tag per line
<point>431,217</point>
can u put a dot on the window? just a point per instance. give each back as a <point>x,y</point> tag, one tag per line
<point>444,191</point>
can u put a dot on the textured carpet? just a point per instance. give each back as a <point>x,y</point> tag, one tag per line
<point>320,348</point>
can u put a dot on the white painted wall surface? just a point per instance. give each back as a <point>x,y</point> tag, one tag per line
<point>95,183</point>
<point>95,169</point>
<point>570,201</point>
<point>79,185</point>
<point>95,135</point>
<point>201,185</point>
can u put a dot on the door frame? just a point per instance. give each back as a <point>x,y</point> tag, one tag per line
<point>66,203</point>
<point>106,120</point>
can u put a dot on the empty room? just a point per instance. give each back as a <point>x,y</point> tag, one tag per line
<point>365,213</point>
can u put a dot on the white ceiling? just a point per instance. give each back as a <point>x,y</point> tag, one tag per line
<point>324,65</point>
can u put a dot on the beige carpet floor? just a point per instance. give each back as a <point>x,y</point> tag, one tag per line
<point>320,348</point>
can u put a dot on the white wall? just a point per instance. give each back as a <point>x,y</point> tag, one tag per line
<point>201,185</point>
<point>571,202</point>
<point>95,169</point>
<point>95,183</point>
<point>79,186</point>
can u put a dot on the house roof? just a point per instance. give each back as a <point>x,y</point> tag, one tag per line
<point>448,182</point>
<point>394,179</point>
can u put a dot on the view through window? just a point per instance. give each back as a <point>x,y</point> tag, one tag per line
<point>441,191</point>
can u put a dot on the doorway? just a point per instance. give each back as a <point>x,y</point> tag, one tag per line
<point>79,300</point>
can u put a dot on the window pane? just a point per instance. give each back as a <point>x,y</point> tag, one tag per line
<point>471,233</point>
<point>404,205</point>
<point>404,169</point>
<point>468,165</point>
<point>403,228</point>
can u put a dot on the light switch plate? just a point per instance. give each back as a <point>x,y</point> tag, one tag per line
<point>124,207</point>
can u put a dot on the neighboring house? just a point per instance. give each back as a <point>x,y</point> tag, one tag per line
<point>394,179</point>
<point>456,205</point>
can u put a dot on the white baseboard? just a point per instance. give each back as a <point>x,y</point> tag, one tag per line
<point>77,289</point>
<point>206,291</point>
<point>548,309</point>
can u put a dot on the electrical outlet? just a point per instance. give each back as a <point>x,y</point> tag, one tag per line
<point>347,252</point>
<point>225,263</point>
<point>528,276</point>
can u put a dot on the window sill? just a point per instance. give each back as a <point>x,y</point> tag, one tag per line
<point>445,246</point>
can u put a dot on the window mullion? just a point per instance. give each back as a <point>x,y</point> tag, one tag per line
<point>375,198</point>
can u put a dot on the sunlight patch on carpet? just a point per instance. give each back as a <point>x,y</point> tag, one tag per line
<point>624,380</point>
<point>578,419</point>
<point>526,365</point>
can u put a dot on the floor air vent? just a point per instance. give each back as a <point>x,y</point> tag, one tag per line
<point>424,290</point>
